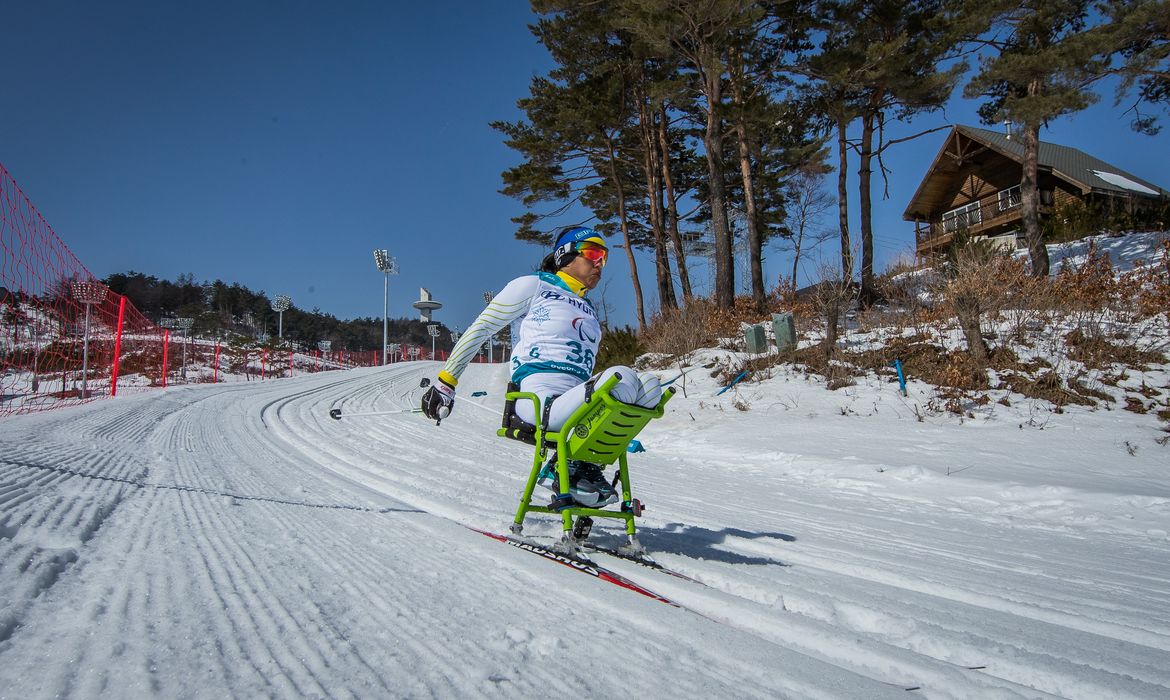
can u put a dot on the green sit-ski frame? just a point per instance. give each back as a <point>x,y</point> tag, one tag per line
<point>598,432</point>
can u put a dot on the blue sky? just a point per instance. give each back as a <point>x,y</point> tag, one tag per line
<point>277,144</point>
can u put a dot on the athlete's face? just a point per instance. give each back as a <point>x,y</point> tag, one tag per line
<point>585,270</point>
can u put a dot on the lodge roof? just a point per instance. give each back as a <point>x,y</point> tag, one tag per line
<point>1073,165</point>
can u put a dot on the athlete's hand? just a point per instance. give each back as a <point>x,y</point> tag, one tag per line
<point>438,400</point>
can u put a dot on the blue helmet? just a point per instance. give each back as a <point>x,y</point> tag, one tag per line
<point>565,247</point>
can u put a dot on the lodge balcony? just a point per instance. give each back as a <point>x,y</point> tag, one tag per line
<point>988,216</point>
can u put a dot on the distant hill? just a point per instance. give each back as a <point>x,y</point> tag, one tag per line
<point>219,308</point>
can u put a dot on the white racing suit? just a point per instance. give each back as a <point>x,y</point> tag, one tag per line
<point>555,334</point>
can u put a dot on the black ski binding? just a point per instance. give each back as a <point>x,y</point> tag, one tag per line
<point>582,527</point>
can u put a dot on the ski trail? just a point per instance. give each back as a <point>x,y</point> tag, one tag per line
<point>229,563</point>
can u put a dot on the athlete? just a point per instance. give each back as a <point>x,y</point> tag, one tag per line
<point>555,335</point>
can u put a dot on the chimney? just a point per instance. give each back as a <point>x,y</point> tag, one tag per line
<point>1007,127</point>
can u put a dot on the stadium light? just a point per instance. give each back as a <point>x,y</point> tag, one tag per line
<point>387,266</point>
<point>433,331</point>
<point>281,304</point>
<point>184,325</point>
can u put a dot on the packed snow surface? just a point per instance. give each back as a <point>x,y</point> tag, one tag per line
<point>233,541</point>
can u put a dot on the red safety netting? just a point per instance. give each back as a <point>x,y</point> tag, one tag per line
<point>61,329</point>
<point>66,339</point>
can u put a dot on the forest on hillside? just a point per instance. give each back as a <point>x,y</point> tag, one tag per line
<point>219,309</point>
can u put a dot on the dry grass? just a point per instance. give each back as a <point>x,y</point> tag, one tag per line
<point>1019,316</point>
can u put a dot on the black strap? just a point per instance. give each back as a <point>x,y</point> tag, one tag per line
<point>510,406</point>
<point>589,386</point>
<point>547,409</point>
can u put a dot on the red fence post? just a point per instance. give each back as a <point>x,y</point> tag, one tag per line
<point>215,367</point>
<point>117,347</point>
<point>166,345</point>
<point>263,364</point>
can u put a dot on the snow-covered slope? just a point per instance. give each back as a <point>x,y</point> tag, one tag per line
<point>234,541</point>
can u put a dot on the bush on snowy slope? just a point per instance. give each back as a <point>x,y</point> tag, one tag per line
<point>1096,333</point>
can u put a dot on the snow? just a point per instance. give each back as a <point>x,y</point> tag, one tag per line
<point>1123,251</point>
<point>233,540</point>
<point>1123,182</point>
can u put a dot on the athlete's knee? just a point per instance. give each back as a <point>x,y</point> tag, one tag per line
<point>650,391</point>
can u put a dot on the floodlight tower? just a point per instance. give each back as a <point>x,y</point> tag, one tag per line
<point>433,331</point>
<point>387,266</point>
<point>182,324</point>
<point>89,293</point>
<point>280,304</point>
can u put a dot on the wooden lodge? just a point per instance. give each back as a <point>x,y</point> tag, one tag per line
<point>973,185</point>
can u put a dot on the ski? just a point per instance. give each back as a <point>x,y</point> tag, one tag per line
<point>582,564</point>
<point>646,561</point>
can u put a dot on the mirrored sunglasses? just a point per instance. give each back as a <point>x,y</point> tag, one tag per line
<point>593,253</point>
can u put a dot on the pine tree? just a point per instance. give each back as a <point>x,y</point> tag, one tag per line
<point>1043,64</point>
<point>702,35</point>
<point>1140,31</point>
<point>879,59</point>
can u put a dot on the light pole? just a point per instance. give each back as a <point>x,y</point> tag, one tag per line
<point>433,331</point>
<point>88,293</point>
<point>184,325</point>
<point>387,266</point>
<point>280,304</point>
<point>323,346</point>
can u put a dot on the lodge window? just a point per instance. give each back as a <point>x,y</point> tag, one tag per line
<point>1009,198</point>
<point>962,217</point>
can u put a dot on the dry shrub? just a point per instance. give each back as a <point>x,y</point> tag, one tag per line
<point>1046,386</point>
<point>702,324</point>
<point>1152,295</point>
<point>1076,385</point>
<point>979,281</point>
<point>679,332</point>
<point>1134,404</point>
<point>1088,288</point>
<point>1095,351</point>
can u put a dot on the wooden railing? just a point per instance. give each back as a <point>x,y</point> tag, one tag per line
<point>931,235</point>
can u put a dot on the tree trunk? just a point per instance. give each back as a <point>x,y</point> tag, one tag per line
<point>832,313</point>
<point>651,169</point>
<point>680,256</point>
<point>843,199</point>
<point>797,240</point>
<point>1030,202</point>
<point>625,224</point>
<point>754,239</point>
<point>864,172</point>
<point>713,145</point>
<point>969,322</point>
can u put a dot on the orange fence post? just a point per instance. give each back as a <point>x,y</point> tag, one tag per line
<point>263,364</point>
<point>215,367</point>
